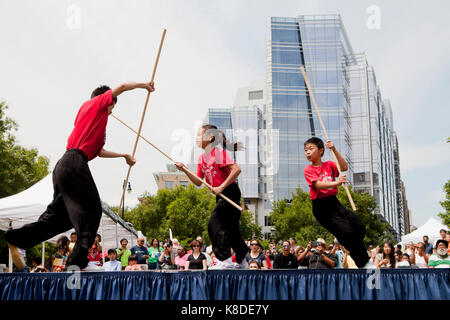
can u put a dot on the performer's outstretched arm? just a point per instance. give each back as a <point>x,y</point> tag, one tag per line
<point>150,86</point>
<point>110,154</point>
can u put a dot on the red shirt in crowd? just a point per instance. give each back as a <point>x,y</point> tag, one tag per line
<point>327,172</point>
<point>213,166</point>
<point>89,133</point>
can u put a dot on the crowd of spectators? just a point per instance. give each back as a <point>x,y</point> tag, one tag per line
<point>170,255</point>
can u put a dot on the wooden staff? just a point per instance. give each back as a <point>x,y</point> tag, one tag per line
<point>311,95</point>
<point>186,169</point>
<point>142,121</point>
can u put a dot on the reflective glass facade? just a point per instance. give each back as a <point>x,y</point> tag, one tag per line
<point>318,43</point>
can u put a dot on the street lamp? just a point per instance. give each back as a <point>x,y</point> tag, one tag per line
<point>123,202</point>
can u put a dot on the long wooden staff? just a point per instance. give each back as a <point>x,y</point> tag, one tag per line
<point>311,95</point>
<point>142,121</point>
<point>186,169</point>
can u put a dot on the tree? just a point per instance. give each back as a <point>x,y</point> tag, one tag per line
<point>295,219</point>
<point>185,210</point>
<point>445,216</point>
<point>20,168</point>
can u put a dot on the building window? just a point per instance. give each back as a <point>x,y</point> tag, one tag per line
<point>255,95</point>
<point>265,187</point>
<point>184,183</point>
<point>267,222</point>
<point>169,184</point>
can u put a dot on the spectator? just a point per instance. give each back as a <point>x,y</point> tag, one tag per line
<point>154,252</point>
<point>133,264</point>
<point>181,258</point>
<point>339,254</point>
<point>196,260</point>
<point>268,259</point>
<point>73,240</point>
<point>36,267</point>
<point>95,253</point>
<point>447,238</point>
<point>166,259</point>
<point>112,264</point>
<point>324,244</point>
<point>140,251</point>
<point>319,259</point>
<point>348,261</point>
<point>441,259</point>
<point>253,265</point>
<point>175,247</point>
<point>256,253</point>
<point>428,246</point>
<point>60,257</point>
<point>443,234</point>
<point>409,248</point>
<point>419,258</point>
<point>398,248</point>
<point>386,258</point>
<point>285,259</point>
<point>397,255</point>
<point>293,244</point>
<point>208,253</point>
<point>405,262</point>
<point>123,253</point>
<point>202,246</point>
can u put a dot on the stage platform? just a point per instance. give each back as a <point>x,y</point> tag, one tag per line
<point>411,284</point>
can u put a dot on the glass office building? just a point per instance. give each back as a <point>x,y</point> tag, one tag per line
<point>319,43</point>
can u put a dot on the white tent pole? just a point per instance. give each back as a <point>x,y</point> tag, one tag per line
<point>43,254</point>
<point>117,237</point>
<point>10,263</point>
<point>103,253</point>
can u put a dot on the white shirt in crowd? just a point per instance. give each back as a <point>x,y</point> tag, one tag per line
<point>420,262</point>
<point>112,266</point>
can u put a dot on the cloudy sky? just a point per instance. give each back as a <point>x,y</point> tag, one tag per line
<point>53,53</point>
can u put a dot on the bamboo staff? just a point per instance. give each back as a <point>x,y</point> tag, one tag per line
<point>142,120</point>
<point>186,169</point>
<point>311,95</point>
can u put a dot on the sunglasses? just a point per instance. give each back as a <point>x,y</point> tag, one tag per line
<point>196,246</point>
<point>253,244</point>
<point>286,246</point>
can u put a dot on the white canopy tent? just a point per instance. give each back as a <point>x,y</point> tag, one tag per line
<point>26,207</point>
<point>430,228</point>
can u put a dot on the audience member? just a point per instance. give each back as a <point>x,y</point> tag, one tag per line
<point>253,265</point>
<point>154,252</point>
<point>73,240</point>
<point>256,254</point>
<point>418,257</point>
<point>123,253</point>
<point>60,257</point>
<point>428,246</point>
<point>133,264</point>
<point>319,259</point>
<point>386,258</point>
<point>166,259</point>
<point>196,260</point>
<point>112,264</point>
<point>95,253</point>
<point>285,259</point>
<point>441,259</point>
<point>181,258</point>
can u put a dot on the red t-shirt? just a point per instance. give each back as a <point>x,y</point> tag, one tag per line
<point>327,172</point>
<point>213,166</point>
<point>89,133</point>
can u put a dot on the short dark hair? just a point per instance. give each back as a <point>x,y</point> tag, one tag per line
<point>101,90</point>
<point>133,257</point>
<point>442,230</point>
<point>317,142</point>
<point>122,240</point>
<point>445,242</point>
<point>73,234</point>
<point>112,251</point>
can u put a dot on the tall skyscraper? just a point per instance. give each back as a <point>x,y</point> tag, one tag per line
<point>358,120</point>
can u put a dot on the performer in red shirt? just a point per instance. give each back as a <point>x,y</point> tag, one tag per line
<point>220,171</point>
<point>323,179</point>
<point>76,202</point>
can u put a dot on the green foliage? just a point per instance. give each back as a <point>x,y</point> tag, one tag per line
<point>185,210</point>
<point>296,220</point>
<point>445,216</point>
<point>20,168</point>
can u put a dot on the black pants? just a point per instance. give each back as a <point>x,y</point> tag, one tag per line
<point>344,224</point>
<point>223,226</point>
<point>76,204</point>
